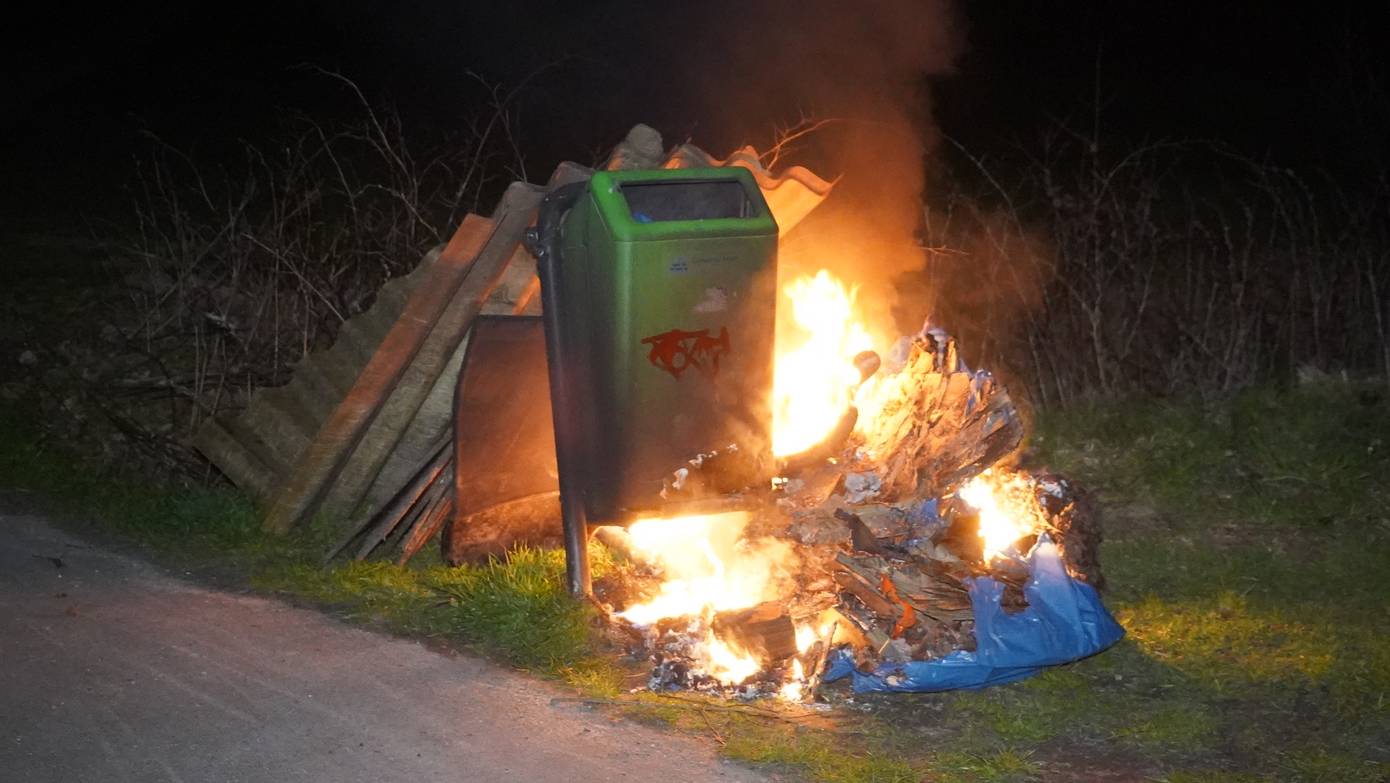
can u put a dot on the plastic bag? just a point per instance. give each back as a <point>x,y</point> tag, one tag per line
<point>1065,621</point>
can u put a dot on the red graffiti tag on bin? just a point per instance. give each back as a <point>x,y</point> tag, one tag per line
<point>677,351</point>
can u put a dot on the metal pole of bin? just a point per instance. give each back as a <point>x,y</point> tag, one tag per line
<point>543,242</point>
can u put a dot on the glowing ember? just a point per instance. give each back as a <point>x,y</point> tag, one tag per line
<point>1003,520</point>
<point>815,373</point>
<point>729,665</point>
<point>793,689</point>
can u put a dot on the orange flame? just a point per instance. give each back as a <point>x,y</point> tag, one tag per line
<point>815,374</point>
<point>706,565</point>
<point>1005,513</point>
<point>728,664</point>
<point>709,568</point>
<point>794,688</point>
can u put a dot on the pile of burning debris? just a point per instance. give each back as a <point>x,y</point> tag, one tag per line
<point>865,549</point>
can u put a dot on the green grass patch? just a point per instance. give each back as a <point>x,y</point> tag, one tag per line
<point>1212,776</point>
<point>517,609</point>
<point>823,757</point>
<point>1246,543</point>
<point>1005,766</point>
<point>1311,456</point>
<point>823,749</point>
<point>1120,699</point>
<point>1323,766</point>
<point>193,522</point>
<point>1240,624</point>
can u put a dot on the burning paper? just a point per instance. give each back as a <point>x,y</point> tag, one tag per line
<point>867,554</point>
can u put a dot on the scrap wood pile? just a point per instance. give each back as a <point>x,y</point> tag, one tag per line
<point>361,436</point>
<point>902,582</point>
<point>883,545</point>
<point>412,516</point>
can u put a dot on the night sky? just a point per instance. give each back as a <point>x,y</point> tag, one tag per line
<point>1305,86</point>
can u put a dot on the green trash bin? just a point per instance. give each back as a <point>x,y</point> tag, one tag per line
<point>659,288</point>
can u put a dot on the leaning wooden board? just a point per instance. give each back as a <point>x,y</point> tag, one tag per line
<point>507,483</point>
<point>399,409</point>
<point>298,498</point>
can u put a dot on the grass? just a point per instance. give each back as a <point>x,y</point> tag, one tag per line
<point>188,522</point>
<point>1308,458</point>
<point>1246,545</point>
<point>1002,766</point>
<point>820,756</point>
<point>517,610</point>
<point>1246,548</point>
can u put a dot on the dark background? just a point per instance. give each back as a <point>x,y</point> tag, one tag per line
<point>1302,86</point>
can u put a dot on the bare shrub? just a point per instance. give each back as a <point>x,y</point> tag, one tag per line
<point>1164,269</point>
<point>229,277</point>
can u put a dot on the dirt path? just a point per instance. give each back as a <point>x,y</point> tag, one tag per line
<point>112,670</point>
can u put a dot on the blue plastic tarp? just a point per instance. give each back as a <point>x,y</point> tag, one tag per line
<point>1065,621</point>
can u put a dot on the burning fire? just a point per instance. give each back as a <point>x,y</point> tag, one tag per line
<point>1002,512</point>
<point>794,689</point>
<point>707,566</point>
<point>709,569</point>
<point>815,375</point>
<point>816,381</point>
<point>728,664</point>
<point>791,689</point>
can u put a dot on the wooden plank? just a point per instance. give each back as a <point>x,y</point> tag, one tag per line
<point>425,529</point>
<point>435,416</point>
<point>396,411</point>
<point>403,500</point>
<point>434,494</point>
<point>764,630</point>
<point>320,463</point>
<point>504,444</point>
<point>280,423</point>
<point>239,454</point>
<point>320,381</point>
<point>432,424</point>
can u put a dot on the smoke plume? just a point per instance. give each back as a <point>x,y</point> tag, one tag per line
<point>863,69</point>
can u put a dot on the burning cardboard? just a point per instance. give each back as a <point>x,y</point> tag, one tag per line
<point>887,554</point>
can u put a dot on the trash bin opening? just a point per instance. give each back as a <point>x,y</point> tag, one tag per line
<point>651,202</point>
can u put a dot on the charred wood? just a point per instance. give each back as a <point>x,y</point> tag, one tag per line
<point>765,630</point>
<point>1074,522</point>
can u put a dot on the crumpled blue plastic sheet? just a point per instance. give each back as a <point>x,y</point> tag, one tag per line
<point>925,518</point>
<point>1065,621</point>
